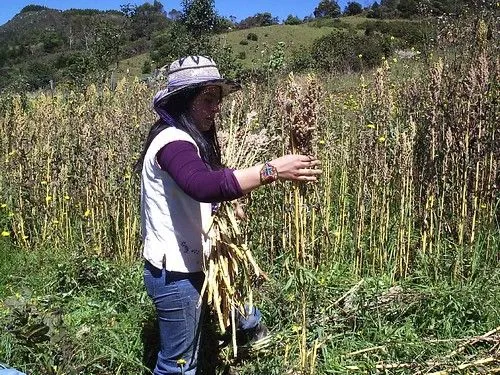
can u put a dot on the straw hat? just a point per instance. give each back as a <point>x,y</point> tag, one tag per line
<point>190,72</point>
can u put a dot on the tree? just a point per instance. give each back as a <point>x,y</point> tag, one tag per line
<point>353,8</point>
<point>145,19</point>
<point>189,35</point>
<point>174,15</point>
<point>199,17</point>
<point>408,8</point>
<point>292,20</point>
<point>33,8</point>
<point>257,20</point>
<point>224,24</point>
<point>327,8</point>
<point>375,11</point>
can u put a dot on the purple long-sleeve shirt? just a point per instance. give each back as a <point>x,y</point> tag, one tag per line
<point>181,161</point>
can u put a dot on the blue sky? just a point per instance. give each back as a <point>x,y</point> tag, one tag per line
<point>238,8</point>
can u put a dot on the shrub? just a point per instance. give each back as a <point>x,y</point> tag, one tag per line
<point>242,55</point>
<point>146,67</point>
<point>243,42</point>
<point>301,59</point>
<point>412,33</point>
<point>33,8</point>
<point>344,51</point>
<point>252,36</point>
<point>292,20</point>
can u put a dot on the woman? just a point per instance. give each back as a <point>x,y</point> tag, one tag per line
<point>182,177</point>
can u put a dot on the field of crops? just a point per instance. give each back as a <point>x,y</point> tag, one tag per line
<point>389,263</point>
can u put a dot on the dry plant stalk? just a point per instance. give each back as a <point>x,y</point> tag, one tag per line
<point>231,267</point>
<point>301,102</point>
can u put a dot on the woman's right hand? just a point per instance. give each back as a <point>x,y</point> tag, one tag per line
<point>289,167</point>
<point>297,167</point>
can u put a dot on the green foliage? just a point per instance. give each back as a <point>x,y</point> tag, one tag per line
<point>242,55</point>
<point>301,59</point>
<point>413,34</point>
<point>344,51</point>
<point>408,8</point>
<point>244,42</point>
<point>33,8</point>
<point>38,74</point>
<point>199,17</point>
<point>292,20</point>
<point>336,23</point>
<point>227,64</point>
<point>177,42</point>
<point>72,315</point>
<point>224,24</point>
<point>276,60</point>
<point>414,9</point>
<point>146,67</point>
<point>145,19</point>
<point>252,36</point>
<point>327,8</point>
<point>52,42</point>
<point>191,35</point>
<point>84,12</point>
<point>353,8</point>
<point>258,20</point>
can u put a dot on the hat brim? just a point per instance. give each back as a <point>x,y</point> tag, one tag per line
<point>227,87</point>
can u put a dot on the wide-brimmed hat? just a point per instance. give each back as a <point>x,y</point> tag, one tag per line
<point>193,71</point>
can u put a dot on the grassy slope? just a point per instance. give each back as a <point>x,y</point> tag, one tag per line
<point>295,37</point>
<point>132,66</point>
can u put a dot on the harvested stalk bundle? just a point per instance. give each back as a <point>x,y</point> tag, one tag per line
<point>231,268</point>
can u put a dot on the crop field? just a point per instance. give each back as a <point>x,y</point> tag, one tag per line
<point>388,264</point>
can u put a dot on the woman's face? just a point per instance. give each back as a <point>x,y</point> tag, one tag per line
<point>205,106</point>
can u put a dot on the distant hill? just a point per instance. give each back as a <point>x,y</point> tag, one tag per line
<point>40,44</point>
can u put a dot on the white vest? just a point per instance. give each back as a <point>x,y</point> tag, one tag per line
<point>173,224</point>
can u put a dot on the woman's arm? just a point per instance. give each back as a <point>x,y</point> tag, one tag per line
<point>289,167</point>
<point>181,161</point>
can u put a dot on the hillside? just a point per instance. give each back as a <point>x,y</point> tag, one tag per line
<point>294,37</point>
<point>41,44</point>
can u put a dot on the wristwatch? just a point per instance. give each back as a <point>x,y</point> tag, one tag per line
<point>268,173</point>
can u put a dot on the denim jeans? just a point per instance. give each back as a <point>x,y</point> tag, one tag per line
<point>176,298</point>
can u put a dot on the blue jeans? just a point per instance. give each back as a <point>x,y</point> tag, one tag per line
<point>176,298</point>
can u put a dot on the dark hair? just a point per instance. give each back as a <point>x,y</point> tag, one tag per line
<point>177,107</point>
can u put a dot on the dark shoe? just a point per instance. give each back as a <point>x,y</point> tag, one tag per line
<point>253,335</point>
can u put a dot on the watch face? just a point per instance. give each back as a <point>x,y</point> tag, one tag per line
<point>268,173</point>
<point>268,170</point>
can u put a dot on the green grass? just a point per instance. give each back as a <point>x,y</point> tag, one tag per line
<point>131,67</point>
<point>293,36</point>
<point>408,322</point>
<point>81,314</point>
<point>68,313</point>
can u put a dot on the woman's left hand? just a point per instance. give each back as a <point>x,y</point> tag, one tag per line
<point>239,211</point>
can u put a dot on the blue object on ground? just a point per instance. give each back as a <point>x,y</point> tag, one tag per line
<point>4,370</point>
